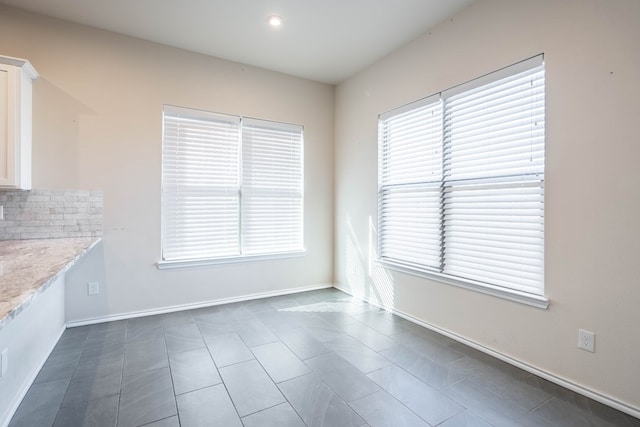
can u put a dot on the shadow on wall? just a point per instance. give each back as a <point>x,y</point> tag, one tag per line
<point>56,139</point>
<point>366,278</point>
<point>79,305</point>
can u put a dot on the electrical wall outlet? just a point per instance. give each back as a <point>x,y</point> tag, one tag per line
<point>93,288</point>
<point>4,362</point>
<point>587,340</point>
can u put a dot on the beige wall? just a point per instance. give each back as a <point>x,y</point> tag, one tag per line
<point>97,125</point>
<point>592,183</point>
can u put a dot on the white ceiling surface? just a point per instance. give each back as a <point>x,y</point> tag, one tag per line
<point>323,40</point>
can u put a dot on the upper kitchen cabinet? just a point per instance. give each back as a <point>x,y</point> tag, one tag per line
<point>16,78</point>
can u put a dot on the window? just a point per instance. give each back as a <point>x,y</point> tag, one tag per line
<point>461,184</point>
<point>232,187</point>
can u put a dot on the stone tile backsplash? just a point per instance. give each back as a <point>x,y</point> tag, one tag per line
<point>47,214</point>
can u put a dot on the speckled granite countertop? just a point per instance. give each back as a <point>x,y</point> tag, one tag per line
<point>29,267</point>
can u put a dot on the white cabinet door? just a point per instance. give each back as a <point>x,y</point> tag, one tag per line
<point>6,151</point>
<point>16,77</point>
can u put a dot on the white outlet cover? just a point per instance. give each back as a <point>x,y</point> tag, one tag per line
<point>93,288</point>
<point>4,362</point>
<point>586,340</point>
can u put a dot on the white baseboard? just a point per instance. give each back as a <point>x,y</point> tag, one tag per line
<point>182,307</point>
<point>580,389</point>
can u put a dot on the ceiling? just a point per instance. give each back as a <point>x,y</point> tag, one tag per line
<point>322,40</point>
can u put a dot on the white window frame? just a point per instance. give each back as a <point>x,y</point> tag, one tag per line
<point>270,170</point>
<point>419,211</point>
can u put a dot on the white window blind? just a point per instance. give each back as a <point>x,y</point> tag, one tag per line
<point>461,182</point>
<point>271,187</point>
<point>409,213</point>
<point>231,187</point>
<point>200,183</point>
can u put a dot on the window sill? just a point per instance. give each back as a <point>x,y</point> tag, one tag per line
<point>165,265</point>
<point>537,301</point>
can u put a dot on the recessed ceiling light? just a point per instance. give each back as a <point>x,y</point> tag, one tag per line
<point>274,20</point>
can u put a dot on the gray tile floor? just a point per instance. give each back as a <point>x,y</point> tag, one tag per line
<point>317,358</point>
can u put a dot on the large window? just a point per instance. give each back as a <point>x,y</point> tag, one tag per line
<point>232,187</point>
<point>461,184</point>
